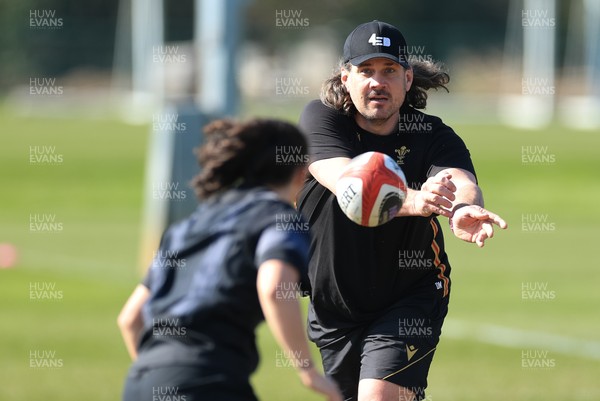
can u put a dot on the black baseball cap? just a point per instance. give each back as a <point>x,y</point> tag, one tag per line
<point>375,39</point>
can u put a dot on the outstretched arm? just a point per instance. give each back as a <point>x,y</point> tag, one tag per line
<point>435,196</point>
<point>327,171</point>
<point>445,194</point>
<point>282,313</point>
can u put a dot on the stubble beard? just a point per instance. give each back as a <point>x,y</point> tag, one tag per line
<point>373,118</point>
<point>377,117</point>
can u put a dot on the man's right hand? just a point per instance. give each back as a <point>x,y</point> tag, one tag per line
<point>435,196</point>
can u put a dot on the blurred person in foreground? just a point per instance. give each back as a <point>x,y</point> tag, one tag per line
<point>380,294</point>
<point>218,272</point>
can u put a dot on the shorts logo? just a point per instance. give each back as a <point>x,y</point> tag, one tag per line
<point>379,41</point>
<point>411,350</point>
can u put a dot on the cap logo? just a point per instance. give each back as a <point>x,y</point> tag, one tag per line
<point>379,40</point>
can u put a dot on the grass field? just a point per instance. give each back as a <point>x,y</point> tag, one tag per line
<point>95,193</point>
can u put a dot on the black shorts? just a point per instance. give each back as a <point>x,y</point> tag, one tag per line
<point>398,346</point>
<point>183,383</point>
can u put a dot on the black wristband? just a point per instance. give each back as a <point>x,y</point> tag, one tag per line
<point>454,209</point>
<point>460,205</point>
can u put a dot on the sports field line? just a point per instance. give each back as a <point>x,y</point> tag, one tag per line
<point>519,338</point>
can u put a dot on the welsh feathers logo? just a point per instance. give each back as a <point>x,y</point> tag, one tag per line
<point>380,41</point>
<point>401,154</point>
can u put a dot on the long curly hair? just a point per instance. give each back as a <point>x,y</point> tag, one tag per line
<point>248,154</point>
<point>426,75</point>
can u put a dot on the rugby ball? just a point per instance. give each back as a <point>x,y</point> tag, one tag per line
<point>371,189</point>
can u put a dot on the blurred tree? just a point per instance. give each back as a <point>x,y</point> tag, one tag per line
<point>63,35</point>
<point>86,38</point>
<point>440,26</point>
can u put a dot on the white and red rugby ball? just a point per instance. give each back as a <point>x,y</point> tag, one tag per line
<point>371,189</point>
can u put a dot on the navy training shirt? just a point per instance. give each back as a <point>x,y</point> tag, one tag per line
<point>204,308</point>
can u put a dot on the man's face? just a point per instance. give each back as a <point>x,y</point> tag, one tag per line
<point>378,88</point>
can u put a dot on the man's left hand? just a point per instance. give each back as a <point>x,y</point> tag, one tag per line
<point>475,224</point>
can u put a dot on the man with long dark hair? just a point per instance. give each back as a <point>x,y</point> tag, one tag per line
<point>380,295</point>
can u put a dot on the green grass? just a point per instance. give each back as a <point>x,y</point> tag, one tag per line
<point>97,193</point>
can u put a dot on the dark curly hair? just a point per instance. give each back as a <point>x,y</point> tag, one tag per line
<point>253,153</point>
<point>426,75</point>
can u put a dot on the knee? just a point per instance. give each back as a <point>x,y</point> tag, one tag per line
<point>381,390</point>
